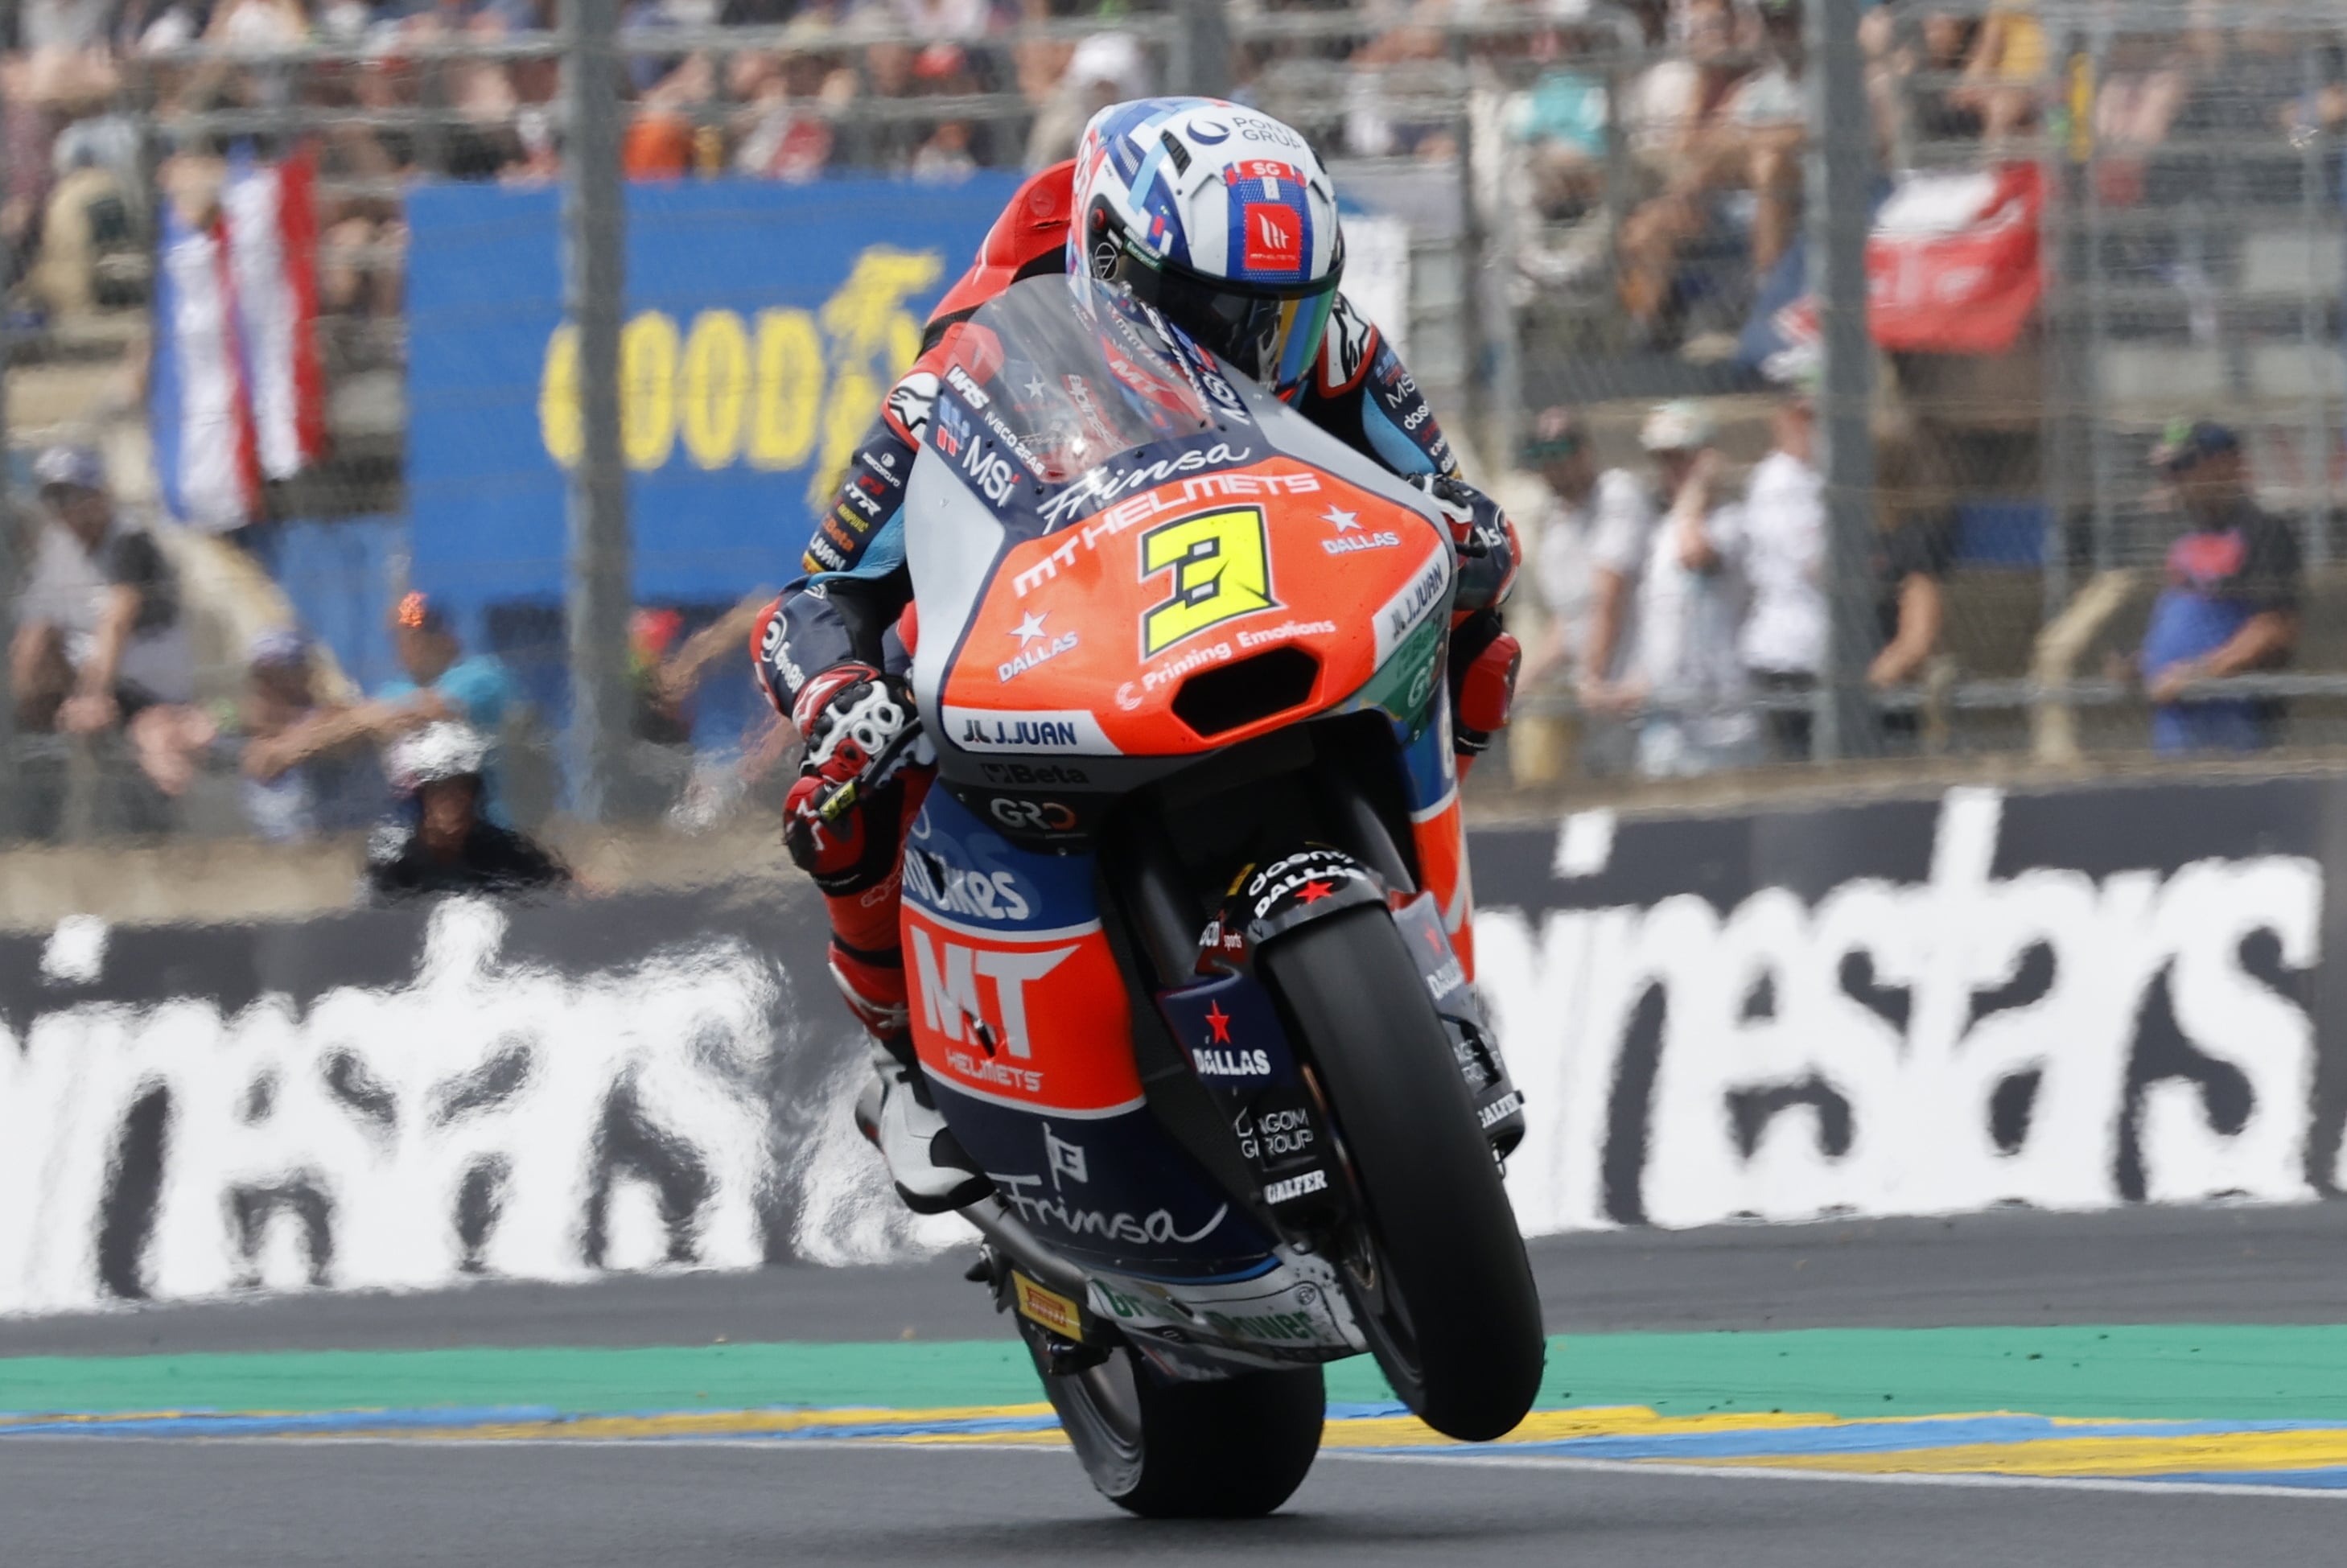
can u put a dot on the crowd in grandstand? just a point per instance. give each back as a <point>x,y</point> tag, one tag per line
<point>1654,145</point>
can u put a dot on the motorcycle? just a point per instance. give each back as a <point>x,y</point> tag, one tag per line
<point>1185,908</point>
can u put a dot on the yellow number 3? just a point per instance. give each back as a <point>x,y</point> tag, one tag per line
<point>1222,569</point>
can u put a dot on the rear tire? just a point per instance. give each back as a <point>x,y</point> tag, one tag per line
<point>1438,1276</point>
<point>1234,1448</point>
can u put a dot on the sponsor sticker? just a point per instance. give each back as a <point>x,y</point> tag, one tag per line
<point>1046,1307</point>
<point>1070,730</point>
<point>1499,1110</point>
<point>1420,598</point>
<point>1295,1187</point>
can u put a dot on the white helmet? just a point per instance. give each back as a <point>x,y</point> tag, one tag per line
<point>434,753</point>
<point>1220,217</point>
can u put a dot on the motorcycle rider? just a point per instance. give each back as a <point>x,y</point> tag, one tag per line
<point>1222,220</point>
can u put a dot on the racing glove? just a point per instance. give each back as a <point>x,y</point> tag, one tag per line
<point>839,821</point>
<point>1482,535</point>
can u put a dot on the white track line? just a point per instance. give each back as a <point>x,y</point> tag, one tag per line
<point>1482,1459</point>
<point>1489,1460</point>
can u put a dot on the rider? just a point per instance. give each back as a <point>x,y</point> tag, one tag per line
<point>1224,221</point>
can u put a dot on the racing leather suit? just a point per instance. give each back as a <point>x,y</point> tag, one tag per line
<point>846,609</point>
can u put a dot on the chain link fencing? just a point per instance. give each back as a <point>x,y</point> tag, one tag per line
<point>2098,219</point>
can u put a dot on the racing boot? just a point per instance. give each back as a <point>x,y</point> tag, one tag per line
<point>932,1173</point>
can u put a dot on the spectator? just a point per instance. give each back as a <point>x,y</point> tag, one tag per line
<point>1728,149</point>
<point>307,770</point>
<point>1557,503</point>
<point>2230,603</point>
<point>440,685</point>
<point>1564,121</point>
<point>782,133</point>
<point>1686,674</point>
<point>1914,551</point>
<point>2006,74</point>
<point>442,841</point>
<point>1625,507</point>
<point>1784,636</point>
<point>100,642</point>
<point>1105,69</point>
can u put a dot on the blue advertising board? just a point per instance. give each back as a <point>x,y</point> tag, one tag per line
<point>763,322</point>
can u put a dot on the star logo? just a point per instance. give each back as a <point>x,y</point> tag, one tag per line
<point>1345,522</point>
<point>1315,891</point>
<point>1035,388</point>
<point>1220,1022</point>
<point>1028,629</point>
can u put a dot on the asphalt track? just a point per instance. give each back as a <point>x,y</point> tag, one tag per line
<point>231,1503</point>
<point>2135,1265</point>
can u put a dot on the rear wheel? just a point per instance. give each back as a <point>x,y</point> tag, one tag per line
<point>1435,1267</point>
<point>1233,1448</point>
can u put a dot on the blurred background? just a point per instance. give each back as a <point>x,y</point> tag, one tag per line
<point>302,300</point>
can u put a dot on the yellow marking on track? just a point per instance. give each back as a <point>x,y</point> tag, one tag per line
<point>2102,1456</point>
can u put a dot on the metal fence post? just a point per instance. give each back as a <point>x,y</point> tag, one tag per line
<point>598,571</point>
<point>1841,176</point>
<point>11,539</point>
<point>1201,55</point>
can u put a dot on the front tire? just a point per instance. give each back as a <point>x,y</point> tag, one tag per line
<point>1436,1268</point>
<point>1234,1448</point>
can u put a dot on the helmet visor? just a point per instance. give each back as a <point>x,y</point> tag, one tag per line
<point>1272,336</point>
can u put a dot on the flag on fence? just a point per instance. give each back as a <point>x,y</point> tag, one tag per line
<point>236,396</point>
<point>1952,266</point>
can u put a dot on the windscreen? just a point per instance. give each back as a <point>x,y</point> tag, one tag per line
<point>1080,371</point>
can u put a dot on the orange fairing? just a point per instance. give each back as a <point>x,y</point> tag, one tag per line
<point>1439,833</point>
<point>1100,623</point>
<point>1037,1021</point>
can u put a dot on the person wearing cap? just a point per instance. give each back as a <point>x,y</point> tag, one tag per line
<point>1686,674</point>
<point>2230,603</point>
<point>100,643</point>
<point>1784,638</point>
<point>1578,524</point>
<point>440,841</point>
<point>440,682</point>
<point>306,771</point>
<point>1625,512</point>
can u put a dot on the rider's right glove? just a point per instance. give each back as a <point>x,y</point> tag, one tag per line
<point>858,725</point>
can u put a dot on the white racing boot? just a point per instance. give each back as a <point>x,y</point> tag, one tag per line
<point>932,1173</point>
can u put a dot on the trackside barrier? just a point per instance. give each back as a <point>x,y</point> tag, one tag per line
<point>2073,1000</point>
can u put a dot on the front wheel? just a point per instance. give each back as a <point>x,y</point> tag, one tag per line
<point>1233,1448</point>
<point>1435,1269</point>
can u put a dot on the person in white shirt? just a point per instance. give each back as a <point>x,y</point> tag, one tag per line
<point>1784,640</point>
<point>1686,675</point>
<point>1585,537</point>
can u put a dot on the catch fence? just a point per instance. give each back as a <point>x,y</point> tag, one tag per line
<point>1597,208</point>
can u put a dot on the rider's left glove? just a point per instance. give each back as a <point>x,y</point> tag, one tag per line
<point>1477,526</point>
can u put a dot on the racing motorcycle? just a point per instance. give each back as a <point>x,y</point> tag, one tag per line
<point>1184,909</point>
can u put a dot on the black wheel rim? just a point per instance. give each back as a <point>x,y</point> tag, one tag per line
<point>1383,1316</point>
<point>1111,1396</point>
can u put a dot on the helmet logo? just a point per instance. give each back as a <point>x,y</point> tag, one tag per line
<point>1274,239</point>
<point>1208,134</point>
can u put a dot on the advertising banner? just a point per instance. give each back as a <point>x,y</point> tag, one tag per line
<point>2069,1000</point>
<point>763,322</point>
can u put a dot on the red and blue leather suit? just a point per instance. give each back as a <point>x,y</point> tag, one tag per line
<point>839,624</point>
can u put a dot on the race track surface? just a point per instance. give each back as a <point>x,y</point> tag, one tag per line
<point>74,1504</point>
<point>771,1500</point>
<point>2138,1265</point>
